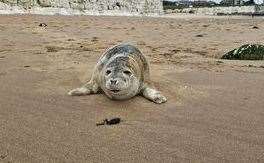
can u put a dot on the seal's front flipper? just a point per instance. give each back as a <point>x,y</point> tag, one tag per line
<point>153,95</point>
<point>89,88</point>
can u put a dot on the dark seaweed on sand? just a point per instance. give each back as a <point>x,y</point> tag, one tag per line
<point>246,52</point>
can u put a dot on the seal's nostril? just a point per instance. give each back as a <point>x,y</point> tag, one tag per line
<point>113,81</point>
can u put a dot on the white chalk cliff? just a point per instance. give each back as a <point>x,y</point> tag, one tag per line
<point>82,7</point>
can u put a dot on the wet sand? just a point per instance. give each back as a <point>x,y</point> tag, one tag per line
<point>215,108</point>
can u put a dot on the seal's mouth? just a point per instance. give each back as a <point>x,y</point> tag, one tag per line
<point>115,90</point>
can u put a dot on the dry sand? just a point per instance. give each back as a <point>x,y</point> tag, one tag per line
<point>215,108</point>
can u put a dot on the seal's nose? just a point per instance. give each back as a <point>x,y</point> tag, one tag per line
<point>113,81</point>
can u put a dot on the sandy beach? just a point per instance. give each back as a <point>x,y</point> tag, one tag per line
<point>215,108</point>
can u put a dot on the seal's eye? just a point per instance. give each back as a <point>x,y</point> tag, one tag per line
<point>108,72</point>
<point>127,72</point>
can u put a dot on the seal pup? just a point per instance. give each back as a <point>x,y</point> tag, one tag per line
<point>122,72</point>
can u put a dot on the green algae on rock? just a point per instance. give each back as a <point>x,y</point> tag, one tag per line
<point>246,52</point>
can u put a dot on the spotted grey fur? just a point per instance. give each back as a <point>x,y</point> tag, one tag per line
<point>121,73</point>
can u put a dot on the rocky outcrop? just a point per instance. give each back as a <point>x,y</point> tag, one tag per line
<point>105,7</point>
<point>246,52</point>
<point>230,10</point>
<point>226,10</point>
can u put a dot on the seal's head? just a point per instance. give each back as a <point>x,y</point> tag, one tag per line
<point>120,78</point>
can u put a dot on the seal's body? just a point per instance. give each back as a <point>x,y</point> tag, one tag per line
<point>121,73</point>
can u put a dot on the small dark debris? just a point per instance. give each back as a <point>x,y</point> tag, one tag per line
<point>75,62</point>
<point>70,39</point>
<point>255,27</point>
<point>95,39</point>
<point>81,46</point>
<point>218,62</point>
<point>261,66</point>
<point>26,66</point>
<point>43,25</point>
<point>175,50</point>
<point>200,35</point>
<point>52,48</point>
<point>112,121</point>
<point>3,156</point>
<point>251,66</point>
